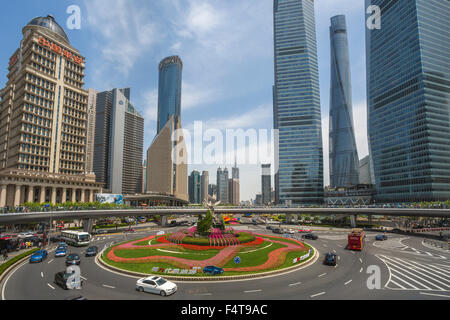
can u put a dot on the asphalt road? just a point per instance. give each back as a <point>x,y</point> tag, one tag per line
<point>409,270</point>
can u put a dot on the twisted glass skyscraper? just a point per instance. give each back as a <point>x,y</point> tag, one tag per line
<point>299,154</point>
<point>344,162</point>
<point>169,93</point>
<point>408,85</point>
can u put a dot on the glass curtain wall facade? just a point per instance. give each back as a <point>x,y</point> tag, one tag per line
<point>169,94</point>
<point>408,83</point>
<point>297,116</point>
<point>195,187</point>
<point>344,161</point>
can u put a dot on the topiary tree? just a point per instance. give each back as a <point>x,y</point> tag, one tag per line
<point>204,224</point>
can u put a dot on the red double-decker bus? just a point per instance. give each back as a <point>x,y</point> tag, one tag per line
<point>356,240</point>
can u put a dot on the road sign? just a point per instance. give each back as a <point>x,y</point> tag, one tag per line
<point>237,260</point>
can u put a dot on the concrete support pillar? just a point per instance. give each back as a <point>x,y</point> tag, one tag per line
<point>353,220</point>
<point>164,221</point>
<point>30,197</point>
<point>74,195</point>
<point>83,195</point>
<point>53,195</point>
<point>87,225</point>
<point>3,190</point>
<point>17,196</point>
<point>91,195</point>
<point>42,195</point>
<point>64,195</point>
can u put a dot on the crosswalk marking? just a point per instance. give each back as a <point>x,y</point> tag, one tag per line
<point>396,244</point>
<point>411,275</point>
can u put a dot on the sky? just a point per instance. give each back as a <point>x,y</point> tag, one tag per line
<point>227,52</point>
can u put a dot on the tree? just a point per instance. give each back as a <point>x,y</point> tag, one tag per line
<point>204,224</point>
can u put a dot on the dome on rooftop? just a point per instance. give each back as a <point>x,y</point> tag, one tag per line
<point>50,23</point>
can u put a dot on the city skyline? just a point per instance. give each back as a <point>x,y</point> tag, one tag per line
<point>256,105</point>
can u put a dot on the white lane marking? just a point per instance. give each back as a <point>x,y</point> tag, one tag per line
<point>83,278</point>
<point>339,257</point>
<point>360,271</point>
<point>318,294</point>
<point>334,251</point>
<point>252,291</point>
<point>323,274</point>
<point>434,294</point>
<point>336,266</point>
<point>50,261</point>
<point>204,294</point>
<point>106,286</point>
<point>348,282</point>
<point>51,286</point>
<point>9,276</point>
<point>42,274</point>
<point>295,284</point>
<point>360,260</point>
<point>340,246</point>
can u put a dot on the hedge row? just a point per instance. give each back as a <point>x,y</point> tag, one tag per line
<point>243,237</point>
<point>9,263</point>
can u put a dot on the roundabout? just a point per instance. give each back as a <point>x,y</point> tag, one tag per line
<point>238,255</point>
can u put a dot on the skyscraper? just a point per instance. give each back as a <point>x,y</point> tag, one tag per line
<point>222,185</point>
<point>43,121</point>
<point>408,79</point>
<point>90,139</point>
<point>204,186</point>
<point>344,161</point>
<point>297,116</point>
<point>266,184</point>
<point>195,187</point>
<point>235,171</point>
<point>169,93</point>
<point>119,141</point>
<point>234,191</point>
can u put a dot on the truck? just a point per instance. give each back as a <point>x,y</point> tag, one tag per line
<point>356,240</point>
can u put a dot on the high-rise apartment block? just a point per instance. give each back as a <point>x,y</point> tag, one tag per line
<point>43,121</point>
<point>266,184</point>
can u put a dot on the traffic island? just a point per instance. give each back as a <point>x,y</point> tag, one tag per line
<point>183,257</point>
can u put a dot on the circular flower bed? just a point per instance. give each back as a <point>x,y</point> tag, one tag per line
<point>259,253</point>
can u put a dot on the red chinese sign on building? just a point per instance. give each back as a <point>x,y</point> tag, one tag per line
<point>57,49</point>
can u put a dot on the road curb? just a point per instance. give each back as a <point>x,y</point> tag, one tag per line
<point>300,266</point>
<point>12,267</point>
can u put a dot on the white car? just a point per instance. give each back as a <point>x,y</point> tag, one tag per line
<point>290,231</point>
<point>156,285</point>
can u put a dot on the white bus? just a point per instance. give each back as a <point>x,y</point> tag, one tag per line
<point>76,238</point>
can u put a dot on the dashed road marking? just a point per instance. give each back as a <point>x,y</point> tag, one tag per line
<point>295,284</point>
<point>323,274</point>
<point>252,291</point>
<point>360,259</point>
<point>334,251</point>
<point>348,282</point>
<point>360,271</point>
<point>317,294</point>
<point>106,286</point>
<point>42,274</point>
<point>50,261</point>
<point>51,286</point>
<point>204,294</point>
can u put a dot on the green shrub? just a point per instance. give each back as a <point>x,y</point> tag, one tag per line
<point>9,263</point>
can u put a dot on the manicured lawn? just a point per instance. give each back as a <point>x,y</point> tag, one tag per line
<point>253,259</point>
<point>277,239</point>
<point>185,254</point>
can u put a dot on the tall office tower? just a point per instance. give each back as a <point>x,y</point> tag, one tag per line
<point>266,184</point>
<point>297,116</point>
<point>212,190</point>
<point>119,141</point>
<point>144,176</point>
<point>235,171</point>
<point>233,191</point>
<point>365,172</point>
<point>204,186</point>
<point>222,185</point>
<point>90,138</point>
<point>408,79</point>
<point>195,187</point>
<point>169,93</point>
<point>167,171</point>
<point>43,115</point>
<point>344,161</point>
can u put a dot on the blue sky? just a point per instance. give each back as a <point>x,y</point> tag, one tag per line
<point>226,48</point>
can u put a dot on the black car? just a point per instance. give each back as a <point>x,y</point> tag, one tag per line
<point>91,252</point>
<point>310,236</point>
<point>61,279</point>
<point>269,227</point>
<point>73,259</point>
<point>330,259</point>
<point>277,231</point>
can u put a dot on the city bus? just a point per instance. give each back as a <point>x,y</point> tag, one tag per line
<point>76,238</point>
<point>356,240</point>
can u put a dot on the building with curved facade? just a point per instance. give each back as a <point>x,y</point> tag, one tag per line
<point>408,85</point>
<point>43,121</point>
<point>344,161</point>
<point>169,92</point>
